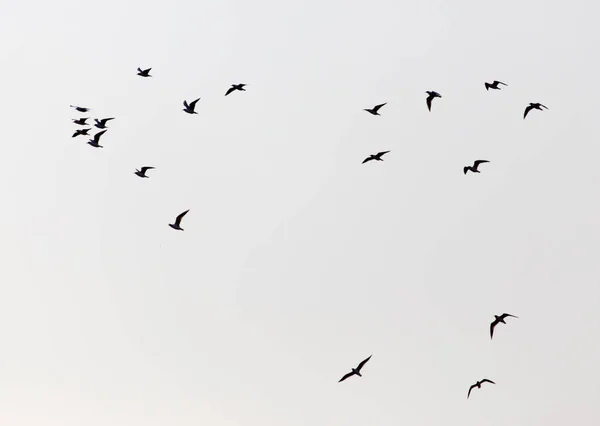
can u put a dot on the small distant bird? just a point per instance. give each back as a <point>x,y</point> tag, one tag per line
<point>80,109</point>
<point>498,320</point>
<point>533,106</point>
<point>96,139</point>
<point>190,108</point>
<point>144,73</point>
<point>81,121</point>
<point>178,221</point>
<point>355,370</point>
<point>81,132</point>
<point>474,167</point>
<point>432,95</point>
<point>375,109</point>
<point>478,385</point>
<point>236,87</point>
<point>494,85</point>
<point>142,173</point>
<point>101,124</point>
<point>375,156</point>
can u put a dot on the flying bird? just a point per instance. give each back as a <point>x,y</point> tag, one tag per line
<point>81,132</point>
<point>533,106</point>
<point>101,124</point>
<point>190,108</point>
<point>236,87</point>
<point>142,172</point>
<point>96,139</point>
<point>81,121</point>
<point>144,73</point>
<point>177,223</point>
<point>375,156</point>
<point>494,85</point>
<point>474,167</point>
<point>80,109</point>
<point>432,95</point>
<point>478,385</point>
<point>375,109</point>
<point>355,370</point>
<point>498,320</point>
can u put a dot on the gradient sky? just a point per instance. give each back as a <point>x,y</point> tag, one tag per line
<point>297,261</point>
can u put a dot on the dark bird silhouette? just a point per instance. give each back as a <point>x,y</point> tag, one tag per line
<point>80,109</point>
<point>494,85</point>
<point>96,139</point>
<point>533,106</point>
<point>190,108</point>
<point>431,96</point>
<point>81,132</point>
<point>81,121</point>
<point>474,167</point>
<point>144,73</point>
<point>142,172</point>
<point>498,320</point>
<point>478,385</point>
<point>236,87</point>
<point>177,223</point>
<point>375,109</point>
<point>375,156</point>
<point>101,124</point>
<point>355,370</point>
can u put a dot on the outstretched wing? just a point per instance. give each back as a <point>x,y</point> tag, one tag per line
<point>97,136</point>
<point>508,315</point>
<point>466,168</point>
<point>529,108</point>
<point>499,82</point>
<point>178,219</point>
<point>363,363</point>
<point>376,107</point>
<point>429,98</point>
<point>380,154</point>
<point>470,389</point>
<point>105,120</point>
<point>140,70</point>
<point>544,106</point>
<point>185,104</point>
<point>488,381</point>
<point>478,162</point>
<point>367,159</point>
<point>193,104</point>
<point>231,89</point>
<point>144,169</point>
<point>346,376</point>
<point>492,326</point>
<point>487,86</point>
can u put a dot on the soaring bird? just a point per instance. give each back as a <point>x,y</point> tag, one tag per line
<point>80,109</point>
<point>81,132</point>
<point>531,106</point>
<point>432,95</point>
<point>375,156</point>
<point>498,320</point>
<point>144,73</point>
<point>474,167</point>
<point>494,85</point>
<point>375,109</point>
<point>190,108</point>
<point>96,139</point>
<point>478,385</point>
<point>236,87</point>
<point>356,370</point>
<point>81,121</point>
<point>142,172</point>
<point>101,124</point>
<point>178,221</point>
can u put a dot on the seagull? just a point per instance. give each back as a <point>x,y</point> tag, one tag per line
<point>81,132</point>
<point>432,95</point>
<point>474,167</point>
<point>96,139</point>
<point>375,157</point>
<point>375,109</point>
<point>356,370</point>
<point>236,87</point>
<point>533,106</point>
<point>478,385</point>
<point>178,221</point>
<point>190,108</point>
<point>81,121</point>
<point>494,85</point>
<point>142,173</point>
<point>101,124</point>
<point>80,109</point>
<point>498,320</point>
<point>144,73</point>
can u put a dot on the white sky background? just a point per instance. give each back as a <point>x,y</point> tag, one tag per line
<point>297,261</point>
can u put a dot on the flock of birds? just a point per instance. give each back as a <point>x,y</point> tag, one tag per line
<point>190,109</point>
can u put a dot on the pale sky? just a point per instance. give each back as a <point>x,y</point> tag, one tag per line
<point>297,261</point>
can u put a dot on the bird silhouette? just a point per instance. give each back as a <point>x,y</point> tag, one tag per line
<point>355,371</point>
<point>494,85</point>
<point>177,223</point>
<point>81,132</point>
<point>81,121</point>
<point>144,73</point>
<point>80,109</point>
<point>431,96</point>
<point>498,320</point>
<point>142,172</point>
<point>474,167</point>
<point>190,108</point>
<point>478,385</point>
<point>375,109</point>
<point>96,139</point>
<point>101,124</point>
<point>235,87</point>
<point>531,106</point>
<point>375,156</point>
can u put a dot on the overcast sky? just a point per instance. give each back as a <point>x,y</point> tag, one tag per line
<point>297,261</point>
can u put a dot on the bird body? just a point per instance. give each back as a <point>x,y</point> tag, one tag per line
<point>234,87</point>
<point>355,371</point>
<point>498,320</point>
<point>474,167</point>
<point>81,121</point>
<point>431,95</point>
<point>144,73</point>
<point>375,109</point>
<point>533,105</point>
<point>478,385</point>
<point>96,139</point>
<point>142,172</point>
<point>101,124</point>
<point>376,157</point>
<point>80,109</point>
<point>177,224</point>
<point>189,108</point>
<point>494,85</point>
<point>81,132</point>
